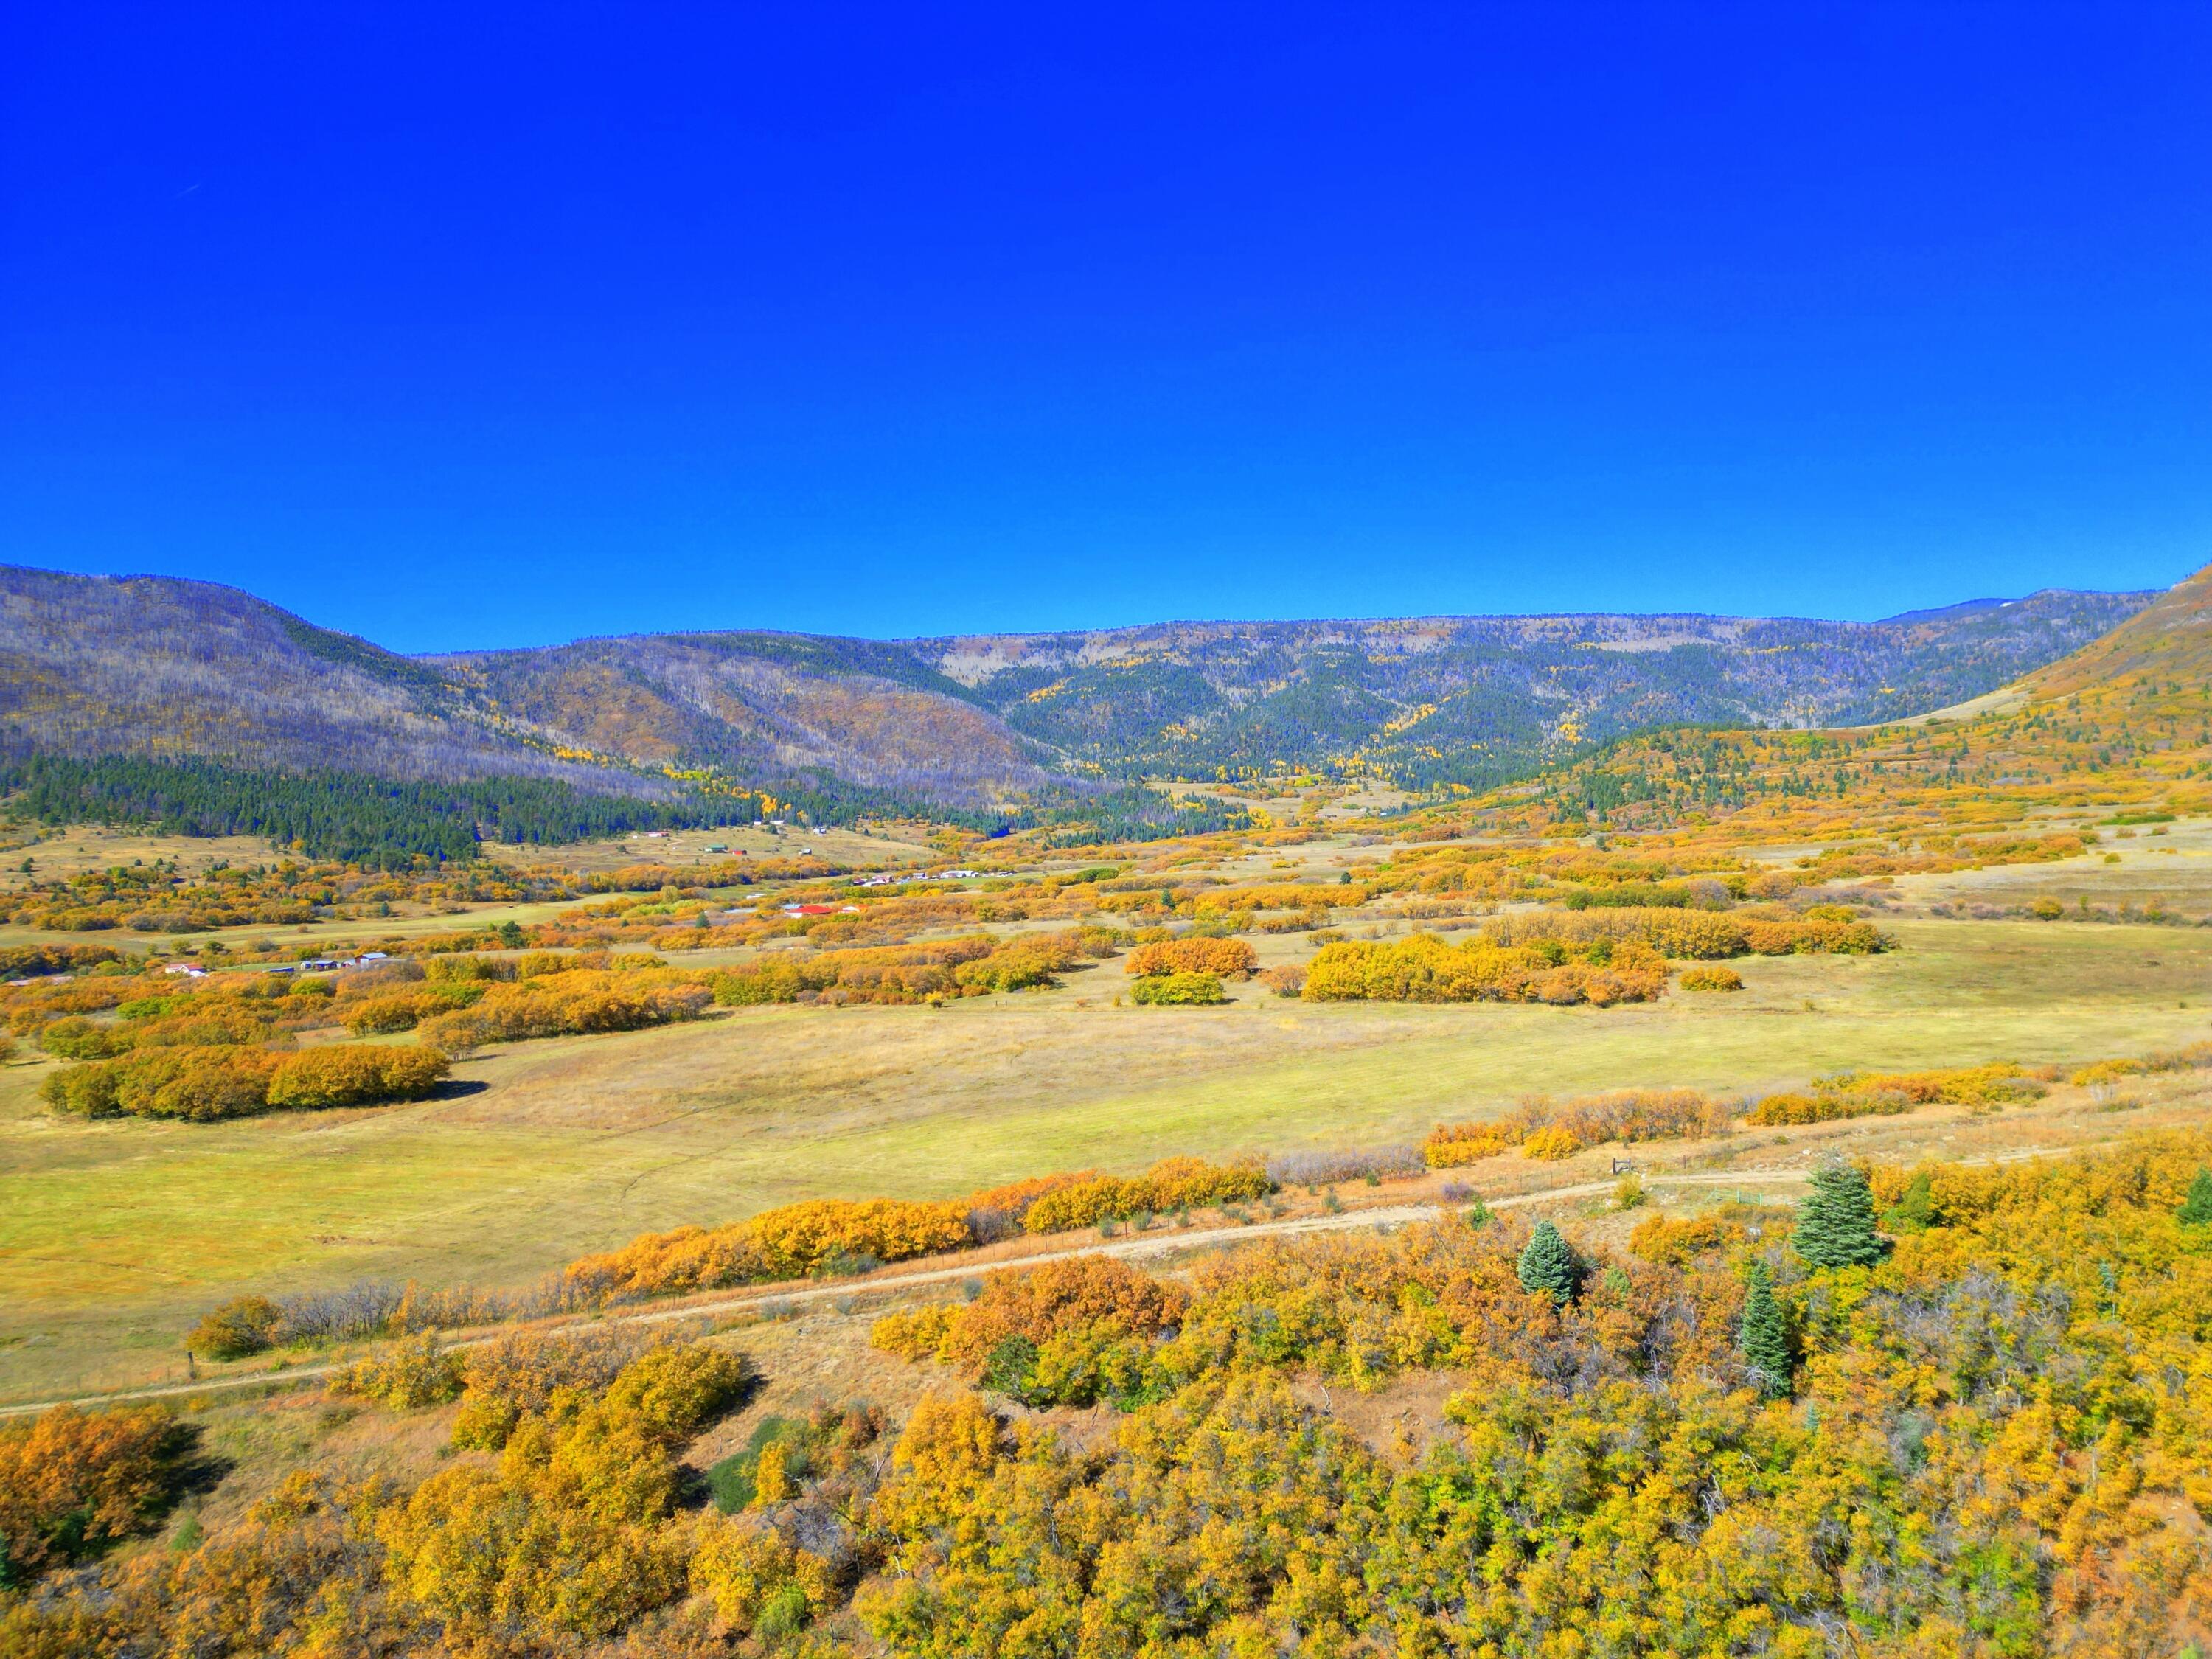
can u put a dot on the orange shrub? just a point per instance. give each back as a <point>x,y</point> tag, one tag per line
<point>1043,1301</point>
<point>1018,1196</point>
<point>1175,1183</point>
<point>686,1259</point>
<point>799,1238</point>
<point>1674,1243</point>
<point>781,1244</point>
<point>356,1076</point>
<point>1712,979</point>
<point>1422,968</point>
<point>1551,1143</point>
<point>1228,957</point>
<point>72,1481</point>
<point>1452,1145</point>
<point>558,1005</point>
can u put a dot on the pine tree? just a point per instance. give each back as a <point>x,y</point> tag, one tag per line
<point>1915,1212</point>
<point>2195,1210</point>
<point>1762,1339</point>
<point>1548,1264</point>
<point>1835,1222</point>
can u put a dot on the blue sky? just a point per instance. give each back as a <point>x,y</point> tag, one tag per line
<point>485,326</point>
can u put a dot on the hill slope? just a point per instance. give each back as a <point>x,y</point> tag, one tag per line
<point>2125,721</point>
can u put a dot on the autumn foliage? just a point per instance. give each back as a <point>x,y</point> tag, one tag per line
<point>73,1482</point>
<point>1422,968</point>
<point>1226,958</point>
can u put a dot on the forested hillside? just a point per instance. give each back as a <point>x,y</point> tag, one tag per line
<point>1479,700</point>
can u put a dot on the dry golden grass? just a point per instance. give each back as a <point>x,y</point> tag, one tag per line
<point>80,847</point>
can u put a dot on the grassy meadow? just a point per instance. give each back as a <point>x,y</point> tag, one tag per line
<point>115,1234</point>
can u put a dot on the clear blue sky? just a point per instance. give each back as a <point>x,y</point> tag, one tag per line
<point>468,324</point>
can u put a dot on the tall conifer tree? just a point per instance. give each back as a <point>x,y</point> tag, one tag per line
<point>1762,1338</point>
<point>1835,1222</point>
<point>2195,1210</point>
<point>1548,1264</point>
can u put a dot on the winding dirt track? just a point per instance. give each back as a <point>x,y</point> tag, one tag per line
<point>1149,1244</point>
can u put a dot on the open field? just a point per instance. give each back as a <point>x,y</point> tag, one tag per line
<point>113,1235</point>
<point>72,850</point>
<point>679,847</point>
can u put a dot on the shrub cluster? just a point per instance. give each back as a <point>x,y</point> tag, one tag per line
<point>973,965</point>
<point>1175,1183</point>
<point>818,1235</point>
<point>566,1533</point>
<point>575,1003</point>
<point>73,1482</point>
<point>1065,1334</point>
<point>791,1242</point>
<point>1224,958</point>
<point>404,1376</point>
<point>1179,990</point>
<point>1422,968</point>
<point>1711,979</point>
<point>1449,1146</point>
<point>202,1084</point>
<point>1872,1094</point>
<point>1550,1130</point>
<point>1692,935</point>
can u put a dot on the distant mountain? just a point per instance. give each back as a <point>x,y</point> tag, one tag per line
<point>1945,612</point>
<point>1477,699</point>
<point>154,666</point>
<point>760,706</point>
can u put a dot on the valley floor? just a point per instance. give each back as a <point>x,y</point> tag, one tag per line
<point>114,1236</point>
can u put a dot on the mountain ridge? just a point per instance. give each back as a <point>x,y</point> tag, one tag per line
<point>161,667</point>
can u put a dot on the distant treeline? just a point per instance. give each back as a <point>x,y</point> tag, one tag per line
<point>382,824</point>
<point>1133,813</point>
<point>377,823</point>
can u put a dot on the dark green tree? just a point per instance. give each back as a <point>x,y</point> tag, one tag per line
<point>2195,1210</point>
<point>1835,1222</point>
<point>1915,1210</point>
<point>1011,1369</point>
<point>1548,1264</point>
<point>1763,1339</point>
